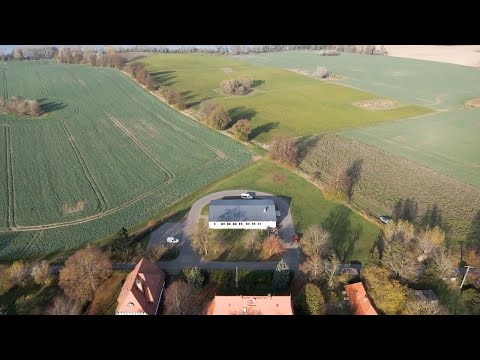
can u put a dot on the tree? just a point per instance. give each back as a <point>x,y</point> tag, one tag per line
<point>313,267</point>
<point>194,277</point>
<point>121,245</point>
<point>83,272</point>
<point>150,84</point>
<point>25,305</point>
<point>62,305</point>
<point>284,150</point>
<point>400,231</point>
<point>18,54</point>
<point>417,306</point>
<point>41,273</point>
<point>429,241</point>
<point>202,242</point>
<point>34,107</point>
<point>321,72</point>
<point>5,283</point>
<point>471,297</point>
<point>443,267</point>
<point>156,251</point>
<point>218,118</point>
<point>281,276</point>
<point>316,241</point>
<point>17,272</point>
<point>178,299</point>
<point>206,108</point>
<point>399,258</point>
<point>246,81</point>
<point>331,270</point>
<point>242,129</point>
<point>314,300</point>
<point>388,295</point>
<point>273,246</point>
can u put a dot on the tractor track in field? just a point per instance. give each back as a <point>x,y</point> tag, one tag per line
<point>218,153</point>
<point>41,81</point>
<point>170,175</point>
<point>5,90</point>
<point>10,182</point>
<point>96,189</point>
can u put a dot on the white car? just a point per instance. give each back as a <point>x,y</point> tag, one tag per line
<point>384,219</point>
<point>172,240</point>
<point>247,196</point>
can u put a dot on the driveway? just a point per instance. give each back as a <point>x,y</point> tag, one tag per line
<point>189,258</point>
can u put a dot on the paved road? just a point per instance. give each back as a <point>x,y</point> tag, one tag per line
<point>189,258</point>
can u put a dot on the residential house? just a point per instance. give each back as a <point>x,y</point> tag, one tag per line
<point>142,291</point>
<point>242,214</point>
<point>251,305</point>
<point>359,301</point>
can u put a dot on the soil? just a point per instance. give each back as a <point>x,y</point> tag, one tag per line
<point>473,102</point>
<point>376,104</point>
<point>468,55</point>
<point>67,210</point>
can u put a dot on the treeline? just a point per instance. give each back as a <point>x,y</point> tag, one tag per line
<point>138,72</point>
<point>29,53</point>
<point>19,106</point>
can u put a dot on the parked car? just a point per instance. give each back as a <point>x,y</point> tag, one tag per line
<point>296,238</point>
<point>384,219</point>
<point>247,196</point>
<point>172,240</point>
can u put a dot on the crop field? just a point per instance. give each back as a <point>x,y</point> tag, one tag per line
<point>108,155</point>
<point>385,178</point>
<point>283,102</point>
<point>445,141</point>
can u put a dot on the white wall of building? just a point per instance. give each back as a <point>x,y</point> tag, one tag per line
<point>245,225</point>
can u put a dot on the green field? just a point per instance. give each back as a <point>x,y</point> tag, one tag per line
<point>445,141</point>
<point>283,102</point>
<point>108,155</point>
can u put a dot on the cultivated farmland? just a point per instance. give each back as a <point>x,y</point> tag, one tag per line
<point>107,155</point>
<point>283,102</point>
<point>445,141</point>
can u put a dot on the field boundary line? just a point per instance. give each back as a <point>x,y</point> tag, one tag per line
<point>5,90</point>
<point>10,182</point>
<point>218,153</point>
<point>40,78</point>
<point>168,172</point>
<point>96,189</point>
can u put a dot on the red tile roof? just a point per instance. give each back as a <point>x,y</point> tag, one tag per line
<point>359,300</point>
<point>142,290</point>
<point>251,305</point>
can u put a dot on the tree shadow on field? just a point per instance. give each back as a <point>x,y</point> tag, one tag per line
<point>5,239</point>
<point>473,236</point>
<point>162,78</point>
<point>305,143</point>
<point>265,128</point>
<point>241,112</point>
<point>256,83</point>
<point>343,234</point>
<point>50,106</point>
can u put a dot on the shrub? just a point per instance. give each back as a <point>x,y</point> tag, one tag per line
<point>194,277</point>
<point>242,129</point>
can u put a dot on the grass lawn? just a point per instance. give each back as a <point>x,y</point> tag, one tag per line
<point>105,300</point>
<point>41,297</point>
<point>283,102</point>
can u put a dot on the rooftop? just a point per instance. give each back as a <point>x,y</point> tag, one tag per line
<point>359,300</point>
<point>242,210</point>
<point>251,305</point>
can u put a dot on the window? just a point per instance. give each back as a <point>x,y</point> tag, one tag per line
<point>240,223</point>
<point>247,223</point>
<point>234,223</point>
<point>222,223</point>
<point>229,223</point>
<point>130,304</point>
<point>214,224</point>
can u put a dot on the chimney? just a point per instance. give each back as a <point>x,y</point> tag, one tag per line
<point>244,311</point>
<point>269,295</point>
<point>265,209</point>
<point>138,282</point>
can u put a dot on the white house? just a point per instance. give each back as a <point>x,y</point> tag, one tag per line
<point>242,214</point>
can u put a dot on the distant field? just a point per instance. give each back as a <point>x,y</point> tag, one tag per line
<point>108,155</point>
<point>427,83</point>
<point>283,102</point>
<point>386,178</point>
<point>447,142</point>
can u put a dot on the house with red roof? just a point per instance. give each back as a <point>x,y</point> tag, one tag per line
<point>251,305</point>
<point>142,290</point>
<point>359,301</point>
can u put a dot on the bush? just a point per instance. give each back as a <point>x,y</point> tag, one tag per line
<point>156,252</point>
<point>218,118</point>
<point>281,276</point>
<point>25,305</point>
<point>240,86</point>
<point>310,301</point>
<point>194,277</point>
<point>41,273</point>
<point>242,129</point>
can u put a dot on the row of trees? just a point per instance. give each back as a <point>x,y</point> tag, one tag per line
<point>284,150</point>
<point>173,97</point>
<point>138,72</point>
<point>240,86</point>
<point>88,57</point>
<point>19,106</point>
<point>19,272</point>
<point>29,53</point>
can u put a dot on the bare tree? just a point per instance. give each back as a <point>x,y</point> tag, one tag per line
<point>313,267</point>
<point>206,108</point>
<point>331,270</point>
<point>321,72</point>
<point>202,242</point>
<point>443,265</point>
<point>429,240</point>
<point>18,54</point>
<point>156,251</point>
<point>399,258</point>
<point>62,305</point>
<point>400,231</point>
<point>284,150</point>
<point>246,81</point>
<point>18,272</point>
<point>252,241</point>
<point>83,272</point>
<point>178,299</point>
<point>422,307</point>
<point>273,246</point>
<point>41,273</point>
<point>316,241</point>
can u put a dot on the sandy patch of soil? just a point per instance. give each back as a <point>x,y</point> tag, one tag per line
<point>226,70</point>
<point>376,104</point>
<point>301,71</point>
<point>67,210</point>
<point>468,55</point>
<point>473,102</point>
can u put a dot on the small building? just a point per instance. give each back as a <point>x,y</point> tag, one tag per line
<point>359,301</point>
<point>142,290</point>
<point>251,305</point>
<point>426,295</point>
<point>242,214</point>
